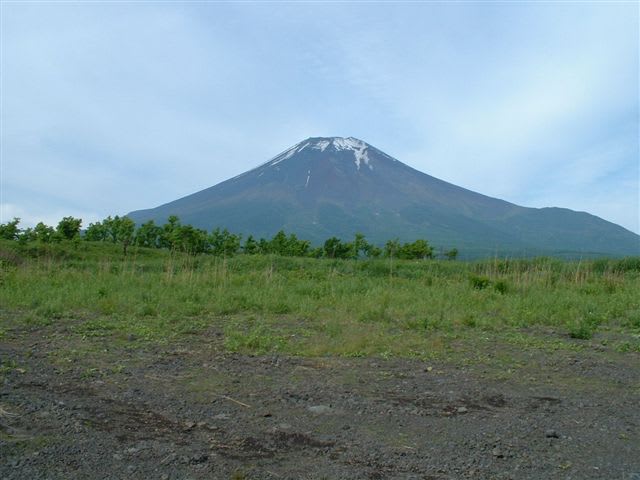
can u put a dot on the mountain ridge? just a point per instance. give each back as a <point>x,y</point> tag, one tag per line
<point>337,186</point>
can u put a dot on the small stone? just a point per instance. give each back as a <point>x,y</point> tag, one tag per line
<point>164,476</point>
<point>462,410</point>
<point>496,452</point>
<point>551,434</point>
<point>320,409</point>
<point>189,425</point>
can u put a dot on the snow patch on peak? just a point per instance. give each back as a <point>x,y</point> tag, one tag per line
<point>349,143</point>
<point>358,147</point>
<point>362,157</point>
<point>321,145</point>
<point>298,147</point>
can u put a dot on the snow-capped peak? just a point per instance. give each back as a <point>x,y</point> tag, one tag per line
<point>337,144</point>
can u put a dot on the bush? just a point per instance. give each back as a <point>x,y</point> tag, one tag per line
<point>501,286</point>
<point>479,282</point>
<point>581,330</point>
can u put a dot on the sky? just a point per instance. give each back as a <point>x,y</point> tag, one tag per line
<point>110,107</point>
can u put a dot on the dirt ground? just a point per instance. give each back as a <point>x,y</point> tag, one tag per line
<point>87,409</point>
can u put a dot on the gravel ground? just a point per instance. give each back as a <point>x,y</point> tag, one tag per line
<point>90,410</point>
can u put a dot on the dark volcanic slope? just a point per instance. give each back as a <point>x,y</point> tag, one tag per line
<point>338,186</point>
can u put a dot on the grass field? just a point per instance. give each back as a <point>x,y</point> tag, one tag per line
<point>314,307</point>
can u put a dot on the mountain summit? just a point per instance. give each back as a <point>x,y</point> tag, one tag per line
<point>335,186</point>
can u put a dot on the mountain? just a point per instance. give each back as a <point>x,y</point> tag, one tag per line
<point>334,186</point>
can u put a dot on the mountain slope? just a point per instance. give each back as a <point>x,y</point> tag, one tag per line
<point>322,187</point>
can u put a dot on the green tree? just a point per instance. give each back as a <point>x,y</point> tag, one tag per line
<point>418,250</point>
<point>452,254</point>
<point>279,243</point>
<point>110,228</point>
<point>250,247</point>
<point>190,239</point>
<point>10,230</point>
<point>224,243</point>
<point>43,233</point>
<point>148,235</point>
<point>359,245</point>
<point>69,228</point>
<point>125,232</point>
<point>335,248</point>
<point>392,248</point>
<point>168,229</point>
<point>96,232</point>
<point>372,251</point>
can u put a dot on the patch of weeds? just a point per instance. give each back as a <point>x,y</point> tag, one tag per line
<point>633,319</point>
<point>50,312</point>
<point>469,320</point>
<point>147,310</point>
<point>333,329</point>
<point>24,443</point>
<point>626,347</point>
<point>238,475</point>
<point>32,319</point>
<point>91,372</point>
<point>378,313</point>
<point>258,339</point>
<point>7,366</point>
<point>611,286</point>
<point>280,308</point>
<point>96,328</point>
<point>501,286</point>
<point>192,326</point>
<point>107,306</point>
<point>479,282</point>
<point>356,354</point>
<point>544,343</point>
<point>119,368</point>
<point>581,330</point>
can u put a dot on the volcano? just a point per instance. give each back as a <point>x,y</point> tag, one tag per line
<point>335,186</point>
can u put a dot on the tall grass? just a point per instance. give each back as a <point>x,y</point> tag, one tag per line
<point>310,306</point>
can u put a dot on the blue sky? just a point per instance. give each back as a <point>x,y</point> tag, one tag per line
<point>112,107</point>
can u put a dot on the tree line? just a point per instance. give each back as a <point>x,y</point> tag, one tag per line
<point>174,235</point>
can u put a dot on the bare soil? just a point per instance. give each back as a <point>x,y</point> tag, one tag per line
<point>97,409</point>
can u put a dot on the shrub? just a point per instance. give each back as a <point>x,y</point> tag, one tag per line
<point>501,286</point>
<point>581,330</point>
<point>478,282</point>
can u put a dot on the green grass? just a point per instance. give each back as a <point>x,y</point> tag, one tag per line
<point>303,306</point>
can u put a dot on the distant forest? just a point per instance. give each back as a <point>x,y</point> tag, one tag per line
<point>174,235</point>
